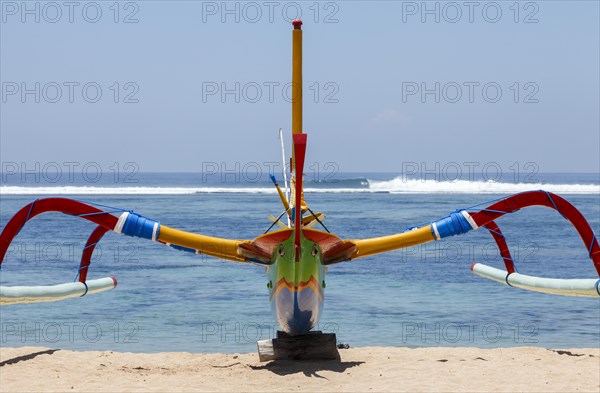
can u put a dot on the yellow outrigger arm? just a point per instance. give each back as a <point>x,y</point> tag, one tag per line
<point>133,224</point>
<point>456,223</point>
<point>376,245</point>
<point>201,244</point>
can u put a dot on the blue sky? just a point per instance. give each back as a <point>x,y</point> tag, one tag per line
<point>366,65</point>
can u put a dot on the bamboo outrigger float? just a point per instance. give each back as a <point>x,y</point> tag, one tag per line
<point>297,256</point>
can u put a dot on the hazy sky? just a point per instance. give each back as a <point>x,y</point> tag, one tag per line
<point>516,83</point>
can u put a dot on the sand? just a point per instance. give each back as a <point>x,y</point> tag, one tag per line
<point>369,369</point>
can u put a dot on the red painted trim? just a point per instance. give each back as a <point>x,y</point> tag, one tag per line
<point>502,246</point>
<point>63,205</point>
<point>88,250</point>
<point>302,285</point>
<point>299,156</point>
<point>553,201</point>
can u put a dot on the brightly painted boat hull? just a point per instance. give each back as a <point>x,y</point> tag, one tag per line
<point>296,289</point>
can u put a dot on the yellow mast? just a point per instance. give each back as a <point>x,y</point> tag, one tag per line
<point>296,80</point>
<point>296,99</point>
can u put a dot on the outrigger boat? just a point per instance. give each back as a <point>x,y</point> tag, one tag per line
<point>297,256</point>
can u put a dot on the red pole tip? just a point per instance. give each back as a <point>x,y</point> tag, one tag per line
<point>297,23</point>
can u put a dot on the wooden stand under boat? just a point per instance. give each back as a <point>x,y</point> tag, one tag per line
<point>311,346</point>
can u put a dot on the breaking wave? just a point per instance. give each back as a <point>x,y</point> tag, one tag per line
<point>398,185</point>
<point>402,185</point>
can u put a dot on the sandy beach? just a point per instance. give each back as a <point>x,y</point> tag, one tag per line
<point>365,369</point>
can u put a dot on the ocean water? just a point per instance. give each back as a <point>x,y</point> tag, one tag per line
<point>169,300</point>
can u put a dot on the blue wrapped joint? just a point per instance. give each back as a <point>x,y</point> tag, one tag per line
<point>456,223</point>
<point>139,226</point>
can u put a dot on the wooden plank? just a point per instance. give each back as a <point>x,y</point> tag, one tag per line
<point>311,346</point>
<point>265,350</point>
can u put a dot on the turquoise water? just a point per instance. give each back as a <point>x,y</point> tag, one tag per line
<point>169,300</point>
